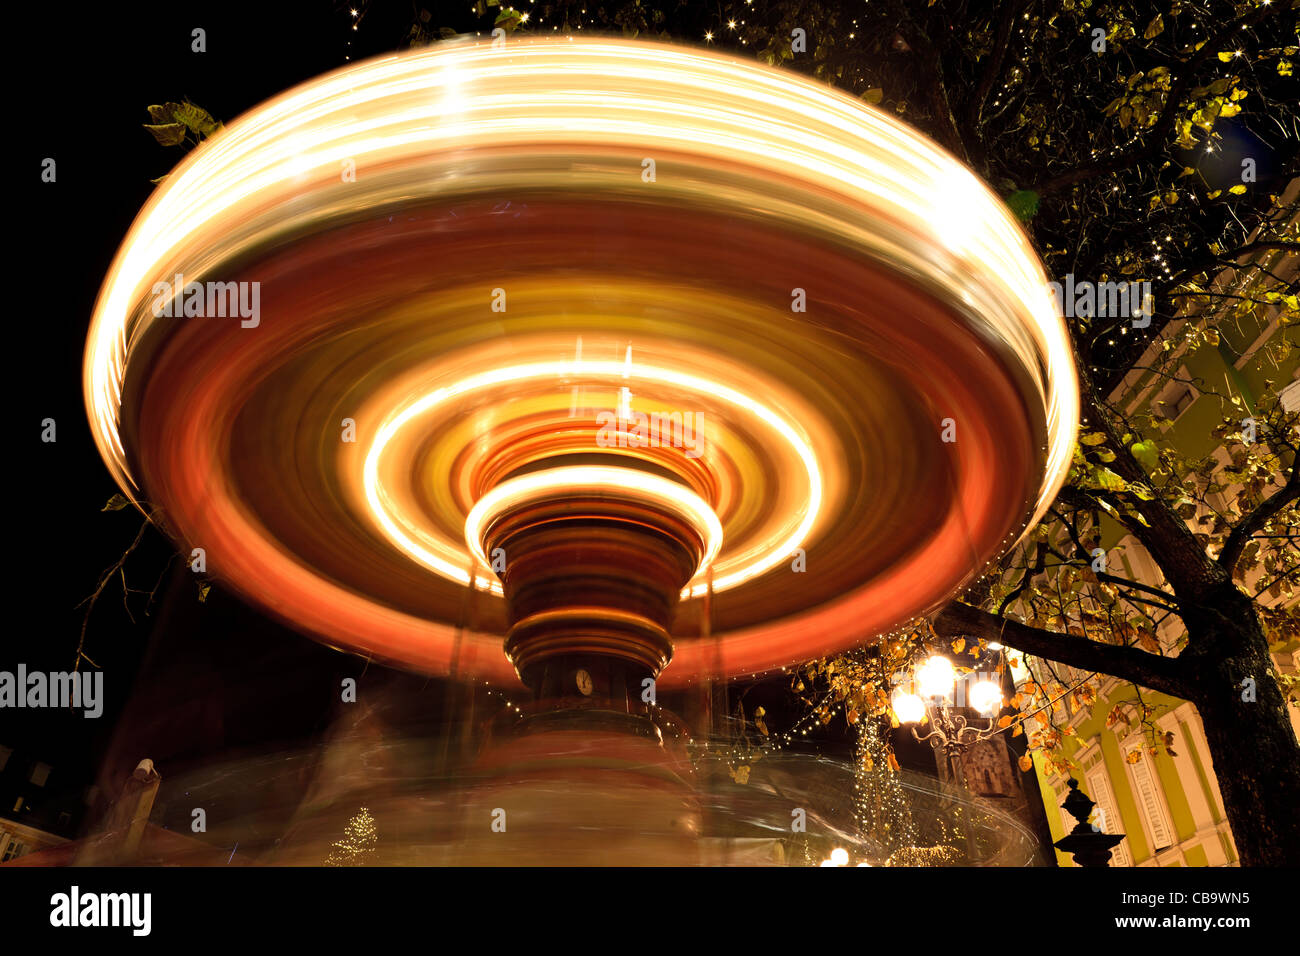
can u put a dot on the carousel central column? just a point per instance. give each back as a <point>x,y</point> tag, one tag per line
<point>592,562</point>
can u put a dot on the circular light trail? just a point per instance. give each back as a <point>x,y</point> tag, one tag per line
<point>445,563</point>
<point>665,230</point>
<point>612,482</point>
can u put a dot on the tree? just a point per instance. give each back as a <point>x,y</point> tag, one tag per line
<point>1134,142</point>
<point>357,848</point>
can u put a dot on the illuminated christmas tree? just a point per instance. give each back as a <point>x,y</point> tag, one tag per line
<point>357,848</point>
<point>880,807</point>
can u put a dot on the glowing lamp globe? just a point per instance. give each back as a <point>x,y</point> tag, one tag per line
<point>908,707</point>
<point>936,677</point>
<point>985,696</point>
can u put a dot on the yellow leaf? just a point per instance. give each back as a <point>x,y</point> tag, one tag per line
<point>1154,28</point>
<point>1026,763</point>
<point>1225,56</point>
<point>1004,720</point>
<point>874,95</point>
<point>958,645</point>
<point>1017,730</point>
<point>1237,190</point>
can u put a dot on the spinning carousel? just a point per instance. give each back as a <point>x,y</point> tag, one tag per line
<point>604,368</point>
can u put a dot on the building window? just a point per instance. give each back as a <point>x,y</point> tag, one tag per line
<point>1289,397</point>
<point>40,773</point>
<point>1176,401</point>
<point>1107,817</point>
<point>1151,804</point>
<point>12,851</point>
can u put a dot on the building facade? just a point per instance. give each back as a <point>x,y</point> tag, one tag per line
<point>1168,805</point>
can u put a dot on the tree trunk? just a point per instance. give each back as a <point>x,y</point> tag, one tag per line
<point>1253,749</point>
<point>1252,745</point>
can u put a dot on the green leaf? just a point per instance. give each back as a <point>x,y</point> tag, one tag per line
<point>1142,492</point>
<point>1146,454</point>
<point>195,118</point>
<point>1024,203</point>
<point>1107,480</point>
<point>167,134</point>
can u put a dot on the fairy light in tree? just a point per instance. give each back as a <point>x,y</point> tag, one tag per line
<point>880,806</point>
<point>357,847</point>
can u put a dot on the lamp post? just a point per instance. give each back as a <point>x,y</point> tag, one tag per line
<point>935,695</point>
<point>1086,843</point>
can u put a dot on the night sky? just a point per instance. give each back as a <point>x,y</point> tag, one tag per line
<point>196,675</point>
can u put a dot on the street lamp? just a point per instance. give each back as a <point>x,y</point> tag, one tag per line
<point>951,731</point>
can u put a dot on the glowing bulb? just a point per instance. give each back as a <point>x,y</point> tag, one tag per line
<point>936,678</point>
<point>908,708</point>
<point>839,856</point>
<point>985,696</point>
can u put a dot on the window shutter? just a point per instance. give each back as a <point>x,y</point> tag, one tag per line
<point>1107,816</point>
<point>1153,807</point>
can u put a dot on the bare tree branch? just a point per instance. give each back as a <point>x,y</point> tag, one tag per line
<point>1150,670</point>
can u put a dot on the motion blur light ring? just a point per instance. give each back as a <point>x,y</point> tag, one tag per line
<point>499,221</point>
<point>562,483</point>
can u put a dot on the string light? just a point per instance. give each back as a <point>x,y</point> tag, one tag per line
<point>357,847</point>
